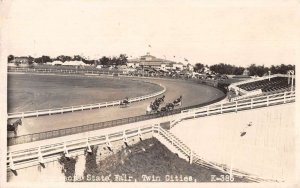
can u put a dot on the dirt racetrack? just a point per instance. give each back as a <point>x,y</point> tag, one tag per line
<point>192,94</point>
<point>30,92</point>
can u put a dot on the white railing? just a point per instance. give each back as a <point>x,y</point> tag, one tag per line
<point>19,159</point>
<point>46,153</point>
<point>255,102</point>
<point>81,107</point>
<point>247,94</point>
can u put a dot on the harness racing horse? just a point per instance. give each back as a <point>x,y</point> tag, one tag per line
<point>178,101</point>
<point>168,107</point>
<point>153,107</point>
<point>160,100</point>
<point>13,126</point>
<point>124,103</point>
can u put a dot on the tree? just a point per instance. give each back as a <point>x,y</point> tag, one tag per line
<point>257,70</point>
<point>43,59</point>
<point>77,58</point>
<point>30,60</point>
<point>122,59</point>
<point>64,58</point>
<point>222,68</point>
<point>238,70</point>
<point>199,67</point>
<point>104,61</point>
<point>113,61</point>
<point>282,69</point>
<point>10,58</point>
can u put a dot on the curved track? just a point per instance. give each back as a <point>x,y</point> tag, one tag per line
<point>32,92</point>
<point>192,94</point>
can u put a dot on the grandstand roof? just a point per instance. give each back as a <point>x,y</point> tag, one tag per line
<point>150,60</point>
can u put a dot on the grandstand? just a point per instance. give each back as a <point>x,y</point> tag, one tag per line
<point>266,85</point>
<point>260,86</point>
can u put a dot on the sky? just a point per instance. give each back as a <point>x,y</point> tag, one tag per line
<point>210,32</point>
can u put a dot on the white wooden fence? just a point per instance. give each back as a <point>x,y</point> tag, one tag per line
<point>47,153</point>
<point>255,102</point>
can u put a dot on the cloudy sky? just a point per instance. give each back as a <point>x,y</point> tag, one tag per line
<point>201,31</point>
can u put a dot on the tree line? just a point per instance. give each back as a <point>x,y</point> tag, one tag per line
<point>122,59</point>
<point>254,70</point>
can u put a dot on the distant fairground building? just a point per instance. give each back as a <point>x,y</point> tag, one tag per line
<point>150,61</point>
<point>246,72</point>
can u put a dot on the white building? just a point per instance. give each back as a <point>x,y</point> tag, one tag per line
<point>133,64</point>
<point>178,66</point>
<point>149,61</point>
<point>190,67</point>
<point>74,63</point>
<point>57,63</point>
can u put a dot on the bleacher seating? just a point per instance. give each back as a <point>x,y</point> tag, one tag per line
<point>275,83</point>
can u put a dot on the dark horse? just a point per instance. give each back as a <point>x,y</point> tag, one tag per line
<point>160,100</point>
<point>154,107</point>
<point>168,107</point>
<point>178,101</point>
<point>125,102</point>
<point>13,126</point>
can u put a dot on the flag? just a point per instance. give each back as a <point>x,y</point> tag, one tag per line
<point>149,45</point>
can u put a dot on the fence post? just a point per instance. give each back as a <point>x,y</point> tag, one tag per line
<point>11,162</point>
<point>140,133</point>
<point>108,143</point>
<point>207,111</point>
<point>158,129</point>
<point>125,137</point>
<point>268,100</point>
<point>191,156</point>
<point>66,150</point>
<point>89,150</point>
<point>41,159</point>
<point>251,103</point>
<point>153,130</point>
<point>222,108</point>
<point>284,97</point>
<point>235,106</point>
